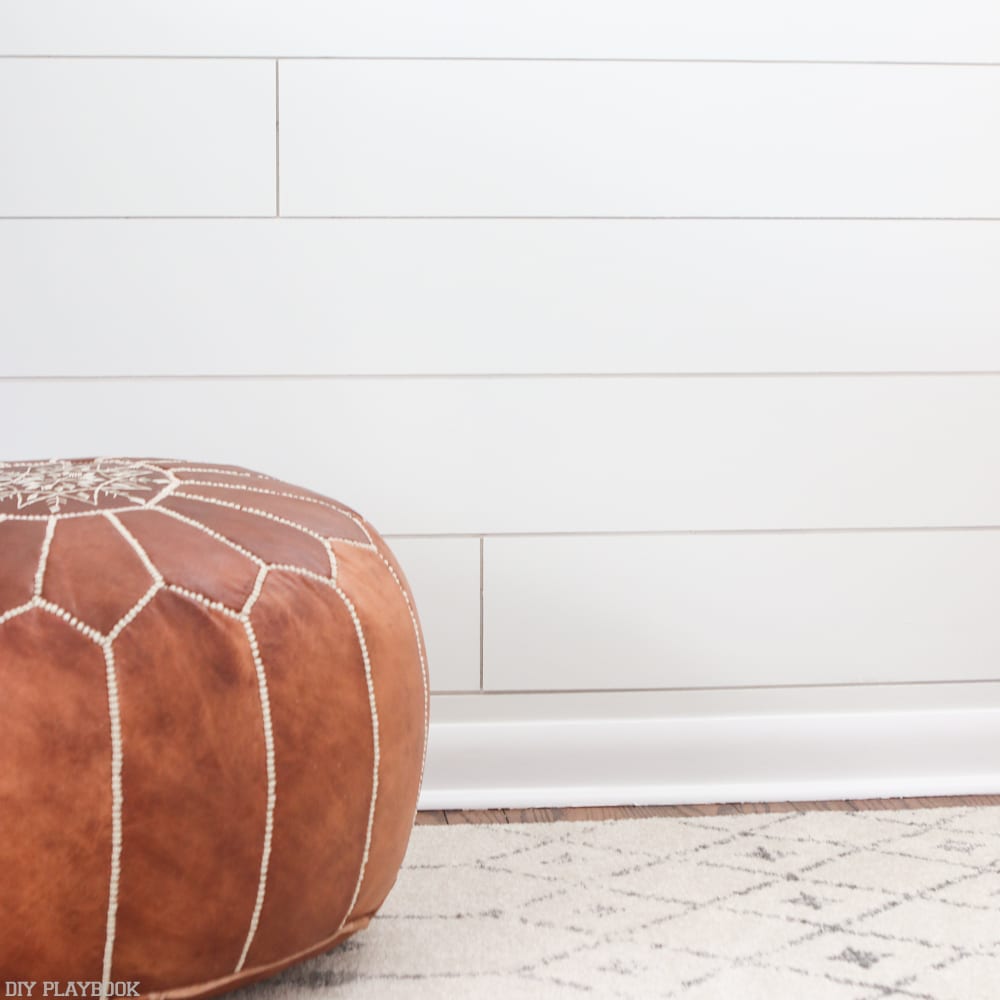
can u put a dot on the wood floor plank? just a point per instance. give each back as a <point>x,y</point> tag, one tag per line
<point>458,816</point>
<point>552,815</point>
<point>432,817</point>
<point>597,813</point>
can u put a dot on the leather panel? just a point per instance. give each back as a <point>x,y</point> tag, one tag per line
<point>195,790</point>
<point>55,820</point>
<point>20,548</point>
<point>324,756</point>
<point>321,519</point>
<point>399,696</point>
<point>81,547</point>
<point>273,542</point>
<point>192,472</point>
<point>189,557</point>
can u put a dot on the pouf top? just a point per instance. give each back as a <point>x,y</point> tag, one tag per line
<point>211,530</point>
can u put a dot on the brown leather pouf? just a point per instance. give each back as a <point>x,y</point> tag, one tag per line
<point>214,704</point>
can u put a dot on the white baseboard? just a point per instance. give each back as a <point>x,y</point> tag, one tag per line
<point>712,759</point>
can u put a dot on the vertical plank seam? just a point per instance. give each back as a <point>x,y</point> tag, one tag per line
<point>277,143</point>
<point>482,616</point>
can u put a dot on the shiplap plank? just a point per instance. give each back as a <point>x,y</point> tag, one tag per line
<point>137,137</point>
<point>805,698</point>
<point>489,455</point>
<point>443,574</point>
<point>260,297</point>
<point>433,138</point>
<point>711,29</point>
<point>731,610</point>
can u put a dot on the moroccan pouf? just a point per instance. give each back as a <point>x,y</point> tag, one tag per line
<point>214,711</point>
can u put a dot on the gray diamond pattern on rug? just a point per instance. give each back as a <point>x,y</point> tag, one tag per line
<point>819,905</point>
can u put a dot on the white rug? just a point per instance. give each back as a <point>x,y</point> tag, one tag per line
<point>815,906</point>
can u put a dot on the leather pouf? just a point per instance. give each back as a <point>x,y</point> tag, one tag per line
<point>214,711</point>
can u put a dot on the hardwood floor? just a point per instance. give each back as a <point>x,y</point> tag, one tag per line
<point>444,817</point>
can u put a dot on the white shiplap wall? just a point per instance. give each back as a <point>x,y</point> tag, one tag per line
<point>662,340</point>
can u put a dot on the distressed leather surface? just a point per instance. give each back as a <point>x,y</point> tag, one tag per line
<point>215,716</point>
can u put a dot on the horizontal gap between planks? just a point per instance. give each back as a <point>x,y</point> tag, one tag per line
<point>501,218</point>
<point>720,687</point>
<point>267,56</point>
<point>666,532</point>
<point>453,376</point>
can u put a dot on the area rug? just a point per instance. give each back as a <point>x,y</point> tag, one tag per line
<point>789,906</point>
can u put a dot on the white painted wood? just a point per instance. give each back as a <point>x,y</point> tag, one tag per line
<point>689,611</point>
<point>416,138</point>
<point>712,29</point>
<point>357,297</point>
<point>485,455</point>
<point>682,703</point>
<point>821,615</point>
<point>137,137</point>
<point>443,574</point>
<point>714,759</point>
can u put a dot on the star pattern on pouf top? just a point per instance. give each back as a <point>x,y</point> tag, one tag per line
<point>57,481</point>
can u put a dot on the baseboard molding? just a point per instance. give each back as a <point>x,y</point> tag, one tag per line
<point>712,759</point>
